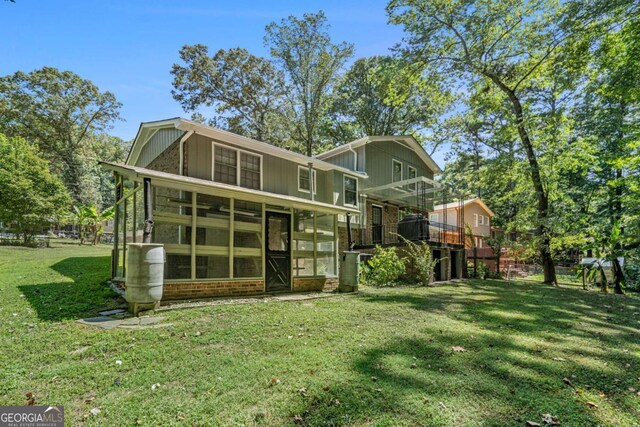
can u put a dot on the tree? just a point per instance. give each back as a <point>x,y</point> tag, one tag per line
<point>507,46</point>
<point>59,112</point>
<point>303,49</point>
<point>383,95</point>
<point>246,91</point>
<point>90,219</point>
<point>81,218</point>
<point>31,198</point>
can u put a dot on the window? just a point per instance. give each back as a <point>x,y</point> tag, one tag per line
<point>249,171</point>
<point>304,184</point>
<point>475,219</point>
<point>481,219</point>
<point>433,217</point>
<point>486,220</point>
<point>396,168</point>
<point>350,191</point>
<point>412,172</point>
<point>225,166</point>
<point>237,167</point>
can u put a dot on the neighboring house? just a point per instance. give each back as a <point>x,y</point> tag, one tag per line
<point>238,216</point>
<point>397,197</point>
<point>476,214</point>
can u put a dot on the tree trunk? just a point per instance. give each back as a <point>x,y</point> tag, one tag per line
<point>619,276</point>
<point>542,229</point>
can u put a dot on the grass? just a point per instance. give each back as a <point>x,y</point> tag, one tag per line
<point>313,363</point>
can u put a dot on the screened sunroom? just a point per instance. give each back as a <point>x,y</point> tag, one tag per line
<point>224,240</point>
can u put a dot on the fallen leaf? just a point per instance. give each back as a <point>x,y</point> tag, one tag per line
<point>549,419</point>
<point>442,405</point>
<point>325,388</point>
<point>297,419</point>
<point>559,359</point>
<point>303,392</point>
<point>591,404</point>
<point>632,390</point>
<point>155,386</point>
<point>198,333</point>
<point>458,349</point>
<point>533,424</point>
<point>79,350</point>
<point>374,379</point>
<point>31,400</point>
<point>275,381</point>
<point>95,411</point>
<point>118,362</point>
<point>414,366</point>
<point>312,372</point>
<point>567,381</point>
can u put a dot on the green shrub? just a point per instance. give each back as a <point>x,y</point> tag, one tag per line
<point>384,268</point>
<point>422,259</point>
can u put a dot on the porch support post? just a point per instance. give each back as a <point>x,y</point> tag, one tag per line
<point>315,243</point>
<point>336,249</point>
<point>194,232</point>
<point>231,227</point>
<point>116,220</point>
<point>263,249</point>
<point>148,212</point>
<point>348,231</point>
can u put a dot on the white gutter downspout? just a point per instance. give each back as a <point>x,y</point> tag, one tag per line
<point>355,158</point>
<point>312,183</point>
<point>181,144</point>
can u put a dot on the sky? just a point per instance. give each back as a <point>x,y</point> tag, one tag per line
<point>128,47</point>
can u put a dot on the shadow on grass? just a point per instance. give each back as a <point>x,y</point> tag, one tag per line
<point>507,373</point>
<point>83,295</point>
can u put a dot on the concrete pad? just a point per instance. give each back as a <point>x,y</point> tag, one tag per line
<point>103,322</point>
<point>151,320</point>
<point>112,312</point>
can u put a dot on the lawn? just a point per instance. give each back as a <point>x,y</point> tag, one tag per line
<point>382,357</point>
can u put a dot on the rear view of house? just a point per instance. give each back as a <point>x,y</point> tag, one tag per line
<point>235,216</point>
<point>238,216</point>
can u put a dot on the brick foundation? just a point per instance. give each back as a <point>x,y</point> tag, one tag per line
<point>194,290</point>
<point>314,284</point>
<point>233,288</point>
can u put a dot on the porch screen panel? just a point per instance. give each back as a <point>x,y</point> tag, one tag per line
<point>139,219</point>
<point>125,225</point>
<point>247,239</point>
<point>303,238</point>
<point>121,241</point>
<point>326,244</point>
<point>172,220</point>
<point>212,236</point>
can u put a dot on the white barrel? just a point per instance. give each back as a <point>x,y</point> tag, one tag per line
<point>145,273</point>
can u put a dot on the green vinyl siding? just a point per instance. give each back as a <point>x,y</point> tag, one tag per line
<point>379,156</point>
<point>279,176</point>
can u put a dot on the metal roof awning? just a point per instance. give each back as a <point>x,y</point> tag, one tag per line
<point>224,190</point>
